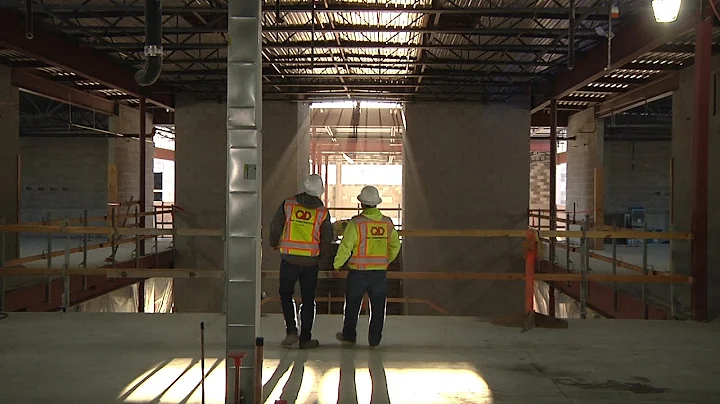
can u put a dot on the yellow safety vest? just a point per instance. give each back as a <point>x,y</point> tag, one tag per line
<point>301,234</point>
<point>371,250</point>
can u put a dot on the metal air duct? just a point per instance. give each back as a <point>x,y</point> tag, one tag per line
<point>153,44</point>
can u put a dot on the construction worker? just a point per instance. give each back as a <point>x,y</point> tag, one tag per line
<point>370,243</point>
<point>301,230</point>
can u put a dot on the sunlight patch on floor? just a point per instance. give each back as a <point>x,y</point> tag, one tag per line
<point>178,381</point>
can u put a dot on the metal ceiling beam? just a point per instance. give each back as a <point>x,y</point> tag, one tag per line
<point>96,11</point>
<point>370,64</point>
<point>639,36</point>
<point>122,32</point>
<point>659,88</point>
<point>49,89</point>
<point>49,48</point>
<point>548,49</point>
<point>435,74</point>
<point>222,84</point>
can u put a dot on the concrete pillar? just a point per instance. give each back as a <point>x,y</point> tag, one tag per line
<point>9,157</point>
<point>124,158</point>
<point>200,172</point>
<point>584,160</point>
<point>285,154</point>
<point>468,170</point>
<point>200,167</point>
<point>682,193</point>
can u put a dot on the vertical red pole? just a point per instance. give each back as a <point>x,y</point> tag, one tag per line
<point>530,272</point>
<point>551,301</point>
<point>701,140</point>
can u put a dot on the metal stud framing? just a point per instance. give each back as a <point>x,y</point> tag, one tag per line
<point>242,243</point>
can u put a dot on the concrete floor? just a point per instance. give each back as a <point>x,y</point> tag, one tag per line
<point>130,358</point>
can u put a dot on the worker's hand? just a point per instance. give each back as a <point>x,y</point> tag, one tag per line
<point>336,274</point>
<point>274,248</point>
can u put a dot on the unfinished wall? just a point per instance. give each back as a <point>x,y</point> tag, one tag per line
<point>9,154</point>
<point>637,174</point>
<point>466,167</point>
<point>584,155</point>
<point>62,177</point>
<point>539,180</point>
<point>200,185</point>
<point>682,145</point>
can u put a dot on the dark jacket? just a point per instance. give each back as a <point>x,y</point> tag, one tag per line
<point>326,235</point>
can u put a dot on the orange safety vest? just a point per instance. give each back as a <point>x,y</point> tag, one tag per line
<point>371,250</point>
<point>301,234</point>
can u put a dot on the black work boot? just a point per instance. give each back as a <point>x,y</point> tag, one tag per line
<point>341,337</point>
<point>290,339</point>
<point>310,344</point>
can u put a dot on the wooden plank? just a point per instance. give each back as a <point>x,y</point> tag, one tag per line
<point>116,272</point>
<point>112,183</point>
<point>60,253</point>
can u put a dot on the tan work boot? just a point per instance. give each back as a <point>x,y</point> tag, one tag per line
<point>290,339</point>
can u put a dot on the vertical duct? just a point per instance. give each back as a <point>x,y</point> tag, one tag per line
<point>242,238</point>
<point>153,44</point>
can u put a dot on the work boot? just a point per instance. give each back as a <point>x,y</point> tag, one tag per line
<point>341,337</point>
<point>290,339</point>
<point>311,344</point>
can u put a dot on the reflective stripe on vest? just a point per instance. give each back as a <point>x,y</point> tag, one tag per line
<point>301,234</point>
<point>371,252</point>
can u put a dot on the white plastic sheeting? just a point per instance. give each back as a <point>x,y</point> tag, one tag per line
<point>158,299</point>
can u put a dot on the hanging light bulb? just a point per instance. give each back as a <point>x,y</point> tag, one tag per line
<point>666,10</point>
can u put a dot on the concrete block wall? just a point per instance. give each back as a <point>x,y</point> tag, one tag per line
<point>62,177</point>
<point>682,146</point>
<point>539,180</point>
<point>637,174</point>
<point>468,170</point>
<point>200,184</point>
<point>9,154</point>
<point>584,155</point>
<point>126,154</point>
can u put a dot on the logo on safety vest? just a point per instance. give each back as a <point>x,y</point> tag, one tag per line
<point>377,231</point>
<point>303,215</point>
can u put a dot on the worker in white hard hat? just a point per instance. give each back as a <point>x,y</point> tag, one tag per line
<point>370,243</point>
<point>301,230</point>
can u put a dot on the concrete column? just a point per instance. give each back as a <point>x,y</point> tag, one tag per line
<point>584,159</point>
<point>682,193</point>
<point>468,169</point>
<point>124,157</point>
<point>200,167</point>
<point>200,171</point>
<point>285,154</point>
<point>9,157</point>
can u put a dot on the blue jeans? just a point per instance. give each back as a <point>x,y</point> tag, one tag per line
<point>374,283</point>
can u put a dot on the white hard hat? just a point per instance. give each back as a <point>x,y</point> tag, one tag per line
<point>313,185</point>
<point>370,196</point>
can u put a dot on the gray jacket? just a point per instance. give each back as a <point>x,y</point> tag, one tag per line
<point>326,235</point>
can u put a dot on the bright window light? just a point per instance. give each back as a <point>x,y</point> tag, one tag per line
<point>666,10</point>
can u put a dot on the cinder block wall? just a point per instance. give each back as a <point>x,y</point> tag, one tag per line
<point>539,180</point>
<point>584,155</point>
<point>682,146</point>
<point>637,174</point>
<point>63,177</point>
<point>468,170</point>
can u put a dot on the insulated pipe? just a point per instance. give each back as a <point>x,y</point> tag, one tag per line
<point>153,44</point>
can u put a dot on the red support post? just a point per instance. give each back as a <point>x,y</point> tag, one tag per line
<point>530,261</point>
<point>553,176</point>
<point>701,140</point>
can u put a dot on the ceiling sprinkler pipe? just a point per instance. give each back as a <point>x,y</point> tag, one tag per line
<point>29,20</point>
<point>153,44</point>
